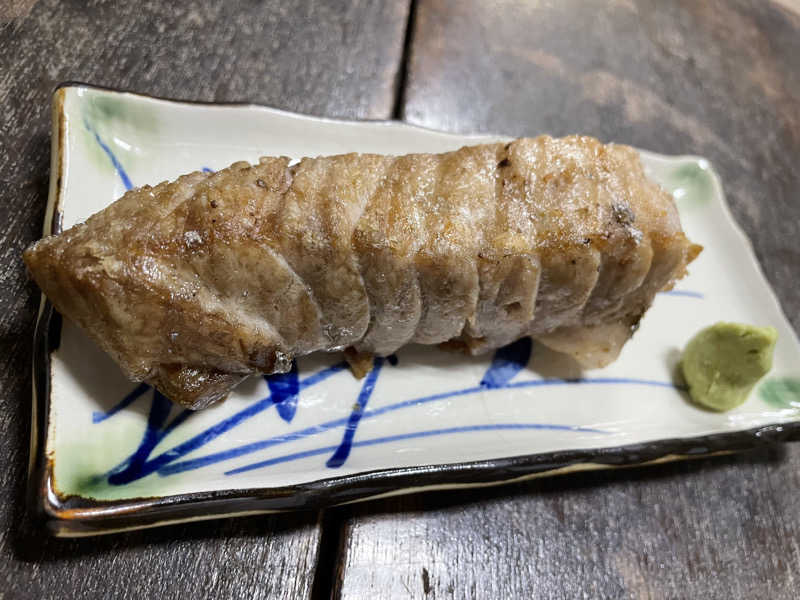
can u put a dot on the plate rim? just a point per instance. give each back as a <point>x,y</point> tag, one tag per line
<point>75,516</point>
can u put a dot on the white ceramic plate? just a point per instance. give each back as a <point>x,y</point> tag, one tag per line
<point>115,455</point>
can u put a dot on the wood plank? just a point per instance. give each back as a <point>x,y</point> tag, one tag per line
<point>714,528</point>
<point>331,58</point>
<point>716,78</point>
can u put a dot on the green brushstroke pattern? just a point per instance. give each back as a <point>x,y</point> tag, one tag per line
<point>115,118</point>
<point>692,182</point>
<point>781,392</point>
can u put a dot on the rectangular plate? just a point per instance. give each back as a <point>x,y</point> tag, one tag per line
<point>109,454</point>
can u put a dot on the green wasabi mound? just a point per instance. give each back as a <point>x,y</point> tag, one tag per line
<point>723,362</point>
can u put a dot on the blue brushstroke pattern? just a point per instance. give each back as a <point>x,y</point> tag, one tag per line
<point>251,447</point>
<point>98,416</point>
<point>343,451</point>
<point>684,293</point>
<point>506,363</point>
<point>128,471</point>
<point>416,434</point>
<point>126,181</point>
<point>284,389</point>
<point>159,412</point>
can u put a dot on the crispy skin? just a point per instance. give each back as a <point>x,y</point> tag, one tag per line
<point>193,285</point>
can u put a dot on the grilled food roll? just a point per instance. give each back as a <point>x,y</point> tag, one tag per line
<point>195,284</point>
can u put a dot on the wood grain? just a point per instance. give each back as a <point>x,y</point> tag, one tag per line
<point>716,78</point>
<point>11,9</point>
<point>333,58</point>
<point>716,528</point>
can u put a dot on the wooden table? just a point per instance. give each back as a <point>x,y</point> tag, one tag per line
<point>716,78</point>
